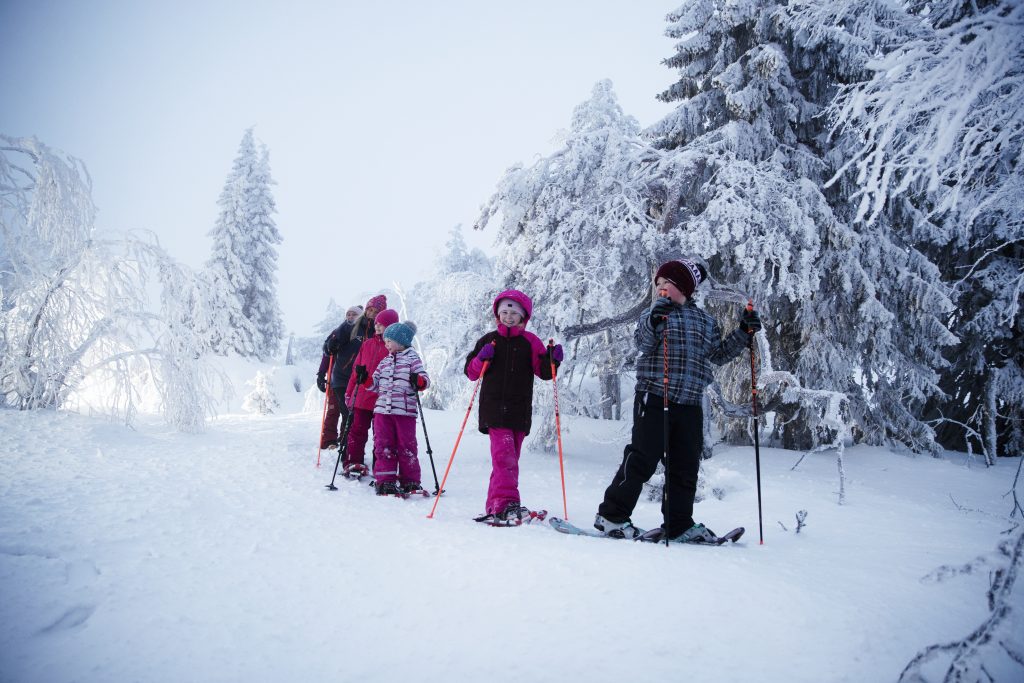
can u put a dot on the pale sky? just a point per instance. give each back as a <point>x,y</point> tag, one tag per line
<point>388,123</point>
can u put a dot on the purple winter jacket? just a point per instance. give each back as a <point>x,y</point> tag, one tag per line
<point>395,393</point>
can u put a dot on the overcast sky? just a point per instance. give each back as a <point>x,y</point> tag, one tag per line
<point>387,123</point>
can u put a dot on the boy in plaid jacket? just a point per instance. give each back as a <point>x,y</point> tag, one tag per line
<point>694,343</point>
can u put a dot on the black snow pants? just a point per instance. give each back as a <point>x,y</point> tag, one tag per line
<point>646,450</point>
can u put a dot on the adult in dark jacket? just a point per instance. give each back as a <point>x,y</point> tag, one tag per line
<point>514,357</point>
<point>343,344</point>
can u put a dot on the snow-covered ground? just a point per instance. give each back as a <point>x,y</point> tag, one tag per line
<point>149,555</point>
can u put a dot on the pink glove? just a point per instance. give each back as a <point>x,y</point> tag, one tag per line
<point>486,353</point>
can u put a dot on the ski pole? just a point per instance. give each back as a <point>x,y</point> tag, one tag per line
<point>757,440</point>
<point>323,418</point>
<point>483,369</point>
<point>343,446</point>
<point>664,417</point>
<point>558,426</point>
<point>430,453</point>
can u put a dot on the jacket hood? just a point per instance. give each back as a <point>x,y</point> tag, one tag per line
<point>519,298</point>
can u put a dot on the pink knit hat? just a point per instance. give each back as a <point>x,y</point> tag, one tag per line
<point>380,302</point>
<point>386,317</point>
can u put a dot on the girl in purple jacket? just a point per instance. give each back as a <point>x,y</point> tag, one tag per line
<point>395,381</point>
<point>514,357</point>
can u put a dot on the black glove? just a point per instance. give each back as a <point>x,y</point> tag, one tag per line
<point>321,382</point>
<point>361,374</point>
<point>417,383</point>
<point>660,310</point>
<point>750,322</point>
<point>332,345</point>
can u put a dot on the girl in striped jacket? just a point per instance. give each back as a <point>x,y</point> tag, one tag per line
<point>396,380</point>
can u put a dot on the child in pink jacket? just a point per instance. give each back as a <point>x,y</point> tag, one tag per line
<point>514,358</point>
<point>361,403</point>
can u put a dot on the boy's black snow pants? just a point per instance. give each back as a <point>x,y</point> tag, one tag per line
<point>641,457</point>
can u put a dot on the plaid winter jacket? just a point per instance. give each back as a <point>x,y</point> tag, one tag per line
<point>694,343</point>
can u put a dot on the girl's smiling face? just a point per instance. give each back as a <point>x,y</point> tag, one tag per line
<point>392,346</point>
<point>510,318</point>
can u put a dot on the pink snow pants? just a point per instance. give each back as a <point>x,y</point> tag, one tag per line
<point>357,435</point>
<point>504,488</point>
<point>394,449</point>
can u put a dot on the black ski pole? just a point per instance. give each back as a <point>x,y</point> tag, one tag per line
<point>430,453</point>
<point>757,439</point>
<point>343,446</point>
<point>664,418</point>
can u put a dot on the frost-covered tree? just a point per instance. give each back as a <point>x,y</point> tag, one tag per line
<point>452,307</point>
<point>75,303</point>
<point>243,262</point>
<point>333,316</point>
<point>938,126</point>
<point>261,400</point>
<point>577,235</point>
<point>747,152</point>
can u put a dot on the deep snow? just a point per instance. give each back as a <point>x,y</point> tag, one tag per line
<point>149,555</point>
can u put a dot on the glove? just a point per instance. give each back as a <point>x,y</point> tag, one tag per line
<point>332,345</point>
<point>361,374</point>
<point>555,355</point>
<point>750,322</point>
<point>661,307</point>
<point>486,353</point>
<point>321,382</point>
<point>418,382</point>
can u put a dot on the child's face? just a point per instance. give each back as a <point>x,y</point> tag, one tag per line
<point>392,346</point>
<point>666,288</point>
<point>510,318</point>
<point>380,328</point>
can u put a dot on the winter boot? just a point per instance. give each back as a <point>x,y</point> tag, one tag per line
<point>616,529</point>
<point>354,470</point>
<point>413,488</point>
<point>388,488</point>
<point>513,513</point>
<point>698,533</point>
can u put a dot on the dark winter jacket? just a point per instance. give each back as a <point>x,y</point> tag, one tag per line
<point>506,391</point>
<point>347,339</point>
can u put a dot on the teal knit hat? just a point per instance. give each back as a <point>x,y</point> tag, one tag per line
<point>401,333</point>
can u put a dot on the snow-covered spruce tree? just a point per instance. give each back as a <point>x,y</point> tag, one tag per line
<point>453,309</point>
<point>938,126</point>
<point>75,310</point>
<point>746,154</point>
<point>334,315</point>
<point>243,262</point>
<point>577,236</point>
<point>261,400</point>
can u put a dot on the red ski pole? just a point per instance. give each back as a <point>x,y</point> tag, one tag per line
<point>558,426</point>
<point>323,418</point>
<point>451,459</point>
